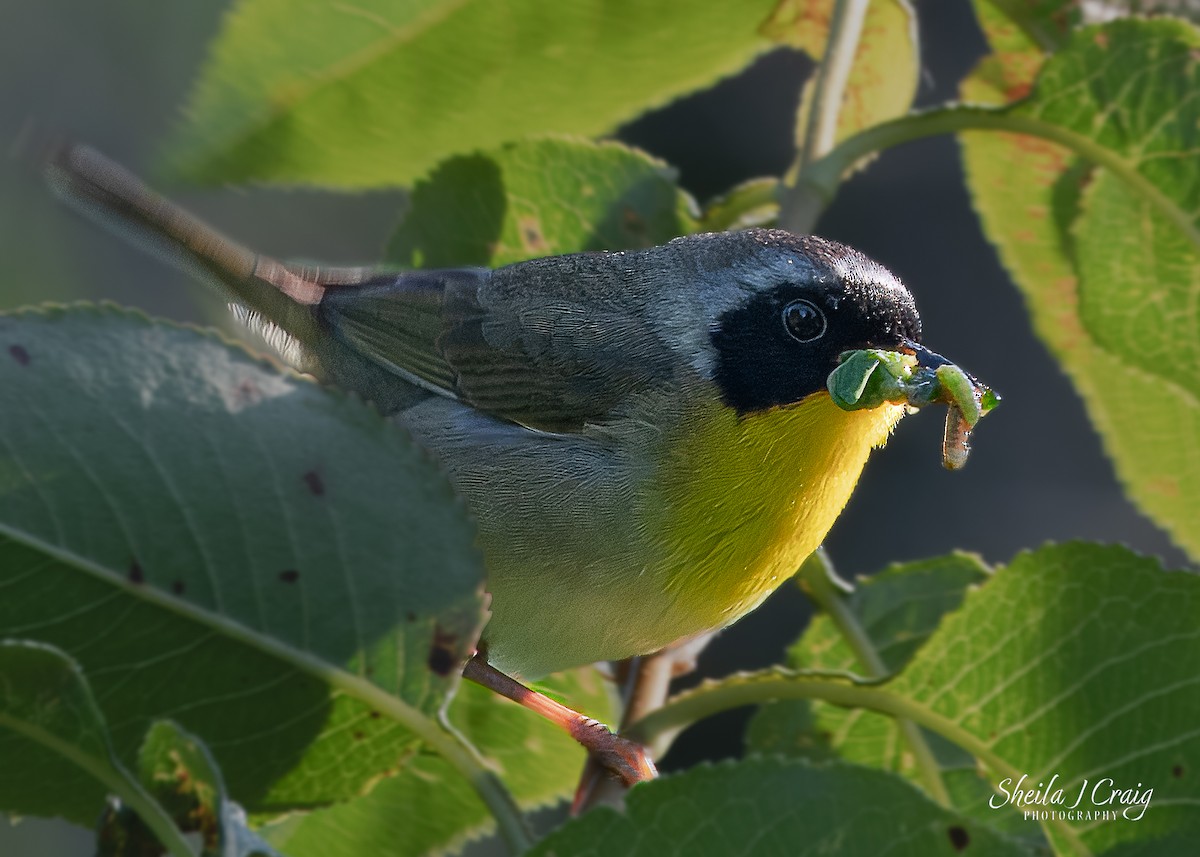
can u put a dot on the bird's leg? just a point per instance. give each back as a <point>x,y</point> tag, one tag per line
<point>646,682</point>
<point>624,758</point>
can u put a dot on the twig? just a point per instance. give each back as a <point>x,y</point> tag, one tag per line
<point>799,207</point>
<point>647,685</point>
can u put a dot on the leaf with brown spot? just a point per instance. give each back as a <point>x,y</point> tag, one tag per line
<point>178,771</point>
<point>1112,271</point>
<point>156,475</point>
<point>314,483</point>
<point>247,393</point>
<point>443,651</point>
<point>959,838</point>
<point>532,242</point>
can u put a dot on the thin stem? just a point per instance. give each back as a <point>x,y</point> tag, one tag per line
<point>800,209</point>
<point>756,689</point>
<point>829,89</point>
<point>819,584</point>
<point>650,686</point>
<point>822,177</point>
<point>652,691</point>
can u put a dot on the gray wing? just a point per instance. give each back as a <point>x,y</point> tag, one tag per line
<point>551,344</point>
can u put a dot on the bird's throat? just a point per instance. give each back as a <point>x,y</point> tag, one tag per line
<point>744,500</point>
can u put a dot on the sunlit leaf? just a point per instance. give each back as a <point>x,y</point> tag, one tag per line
<point>1074,663</point>
<point>886,71</point>
<point>428,807</point>
<point>1110,263</point>
<point>897,610</point>
<point>362,96</point>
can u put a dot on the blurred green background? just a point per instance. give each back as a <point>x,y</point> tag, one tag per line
<point>116,74</point>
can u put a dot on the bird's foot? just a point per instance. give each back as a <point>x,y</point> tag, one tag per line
<point>628,760</point>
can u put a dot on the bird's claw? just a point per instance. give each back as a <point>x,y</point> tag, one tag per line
<point>629,761</point>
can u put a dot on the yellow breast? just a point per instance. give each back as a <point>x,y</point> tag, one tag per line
<point>741,501</point>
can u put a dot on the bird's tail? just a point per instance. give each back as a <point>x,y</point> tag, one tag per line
<point>280,301</point>
<point>283,295</point>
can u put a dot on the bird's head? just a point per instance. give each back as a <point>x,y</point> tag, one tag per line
<point>781,308</point>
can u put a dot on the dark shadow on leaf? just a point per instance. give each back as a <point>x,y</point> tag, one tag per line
<point>461,208</point>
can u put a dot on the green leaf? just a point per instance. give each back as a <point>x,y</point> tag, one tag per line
<point>540,198</point>
<point>45,700</point>
<point>897,610</point>
<point>1027,26</point>
<point>177,769</point>
<point>1130,87</point>
<point>751,203</point>
<point>270,564</point>
<point>1075,661</point>
<point>886,71</point>
<point>340,95</point>
<point>774,806</point>
<point>1109,257</point>
<point>428,808</point>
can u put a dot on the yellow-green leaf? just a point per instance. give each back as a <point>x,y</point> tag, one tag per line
<point>1104,238</point>
<point>428,808</point>
<point>883,80</point>
<point>376,93</point>
<point>540,198</point>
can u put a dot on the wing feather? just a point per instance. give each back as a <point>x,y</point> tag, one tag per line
<point>541,357</point>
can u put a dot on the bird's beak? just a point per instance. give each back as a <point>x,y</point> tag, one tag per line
<point>932,360</point>
<point>917,377</point>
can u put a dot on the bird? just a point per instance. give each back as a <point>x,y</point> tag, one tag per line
<point>644,437</point>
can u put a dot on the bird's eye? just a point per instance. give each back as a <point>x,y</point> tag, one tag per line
<point>804,321</point>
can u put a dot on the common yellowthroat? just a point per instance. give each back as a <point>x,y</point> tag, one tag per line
<point>645,438</point>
